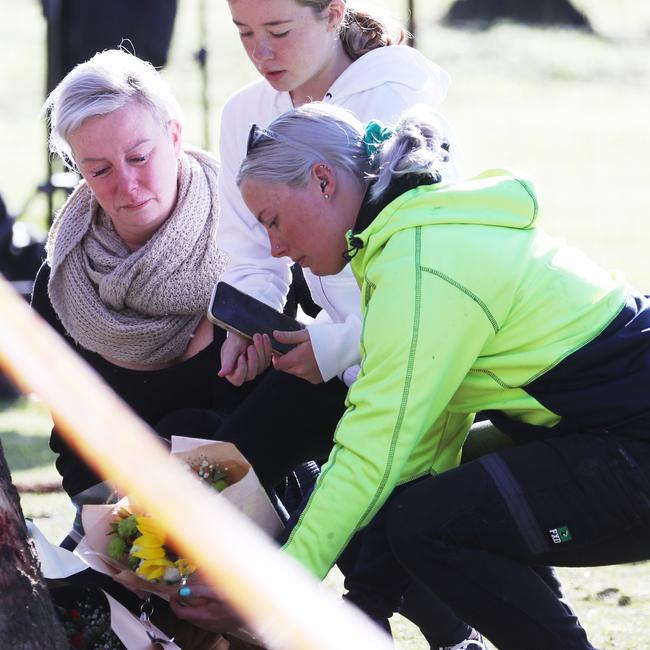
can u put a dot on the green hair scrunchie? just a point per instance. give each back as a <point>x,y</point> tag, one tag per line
<point>375,134</point>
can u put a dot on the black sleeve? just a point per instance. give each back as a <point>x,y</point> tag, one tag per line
<point>77,476</point>
<point>41,300</point>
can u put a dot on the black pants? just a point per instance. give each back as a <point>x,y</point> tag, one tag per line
<point>284,422</point>
<point>481,536</point>
<point>379,585</point>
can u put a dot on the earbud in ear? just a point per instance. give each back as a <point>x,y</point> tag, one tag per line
<point>323,183</point>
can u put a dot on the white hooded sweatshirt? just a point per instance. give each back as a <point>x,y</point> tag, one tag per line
<point>379,85</point>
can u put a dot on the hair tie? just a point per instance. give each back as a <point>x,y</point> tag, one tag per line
<point>375,134</point>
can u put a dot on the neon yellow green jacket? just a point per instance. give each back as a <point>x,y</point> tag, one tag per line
<point>465,302</point>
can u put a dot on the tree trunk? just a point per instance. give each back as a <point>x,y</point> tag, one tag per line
<point>27,617</point>
<point>538,12</point>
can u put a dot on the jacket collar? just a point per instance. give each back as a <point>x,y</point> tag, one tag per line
<point>400,185</point>
<point>370,209</point>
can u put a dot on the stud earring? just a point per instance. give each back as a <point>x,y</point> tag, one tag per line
<point>326,196</point>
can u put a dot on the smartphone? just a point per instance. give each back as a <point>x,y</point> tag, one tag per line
<point>238,312</point>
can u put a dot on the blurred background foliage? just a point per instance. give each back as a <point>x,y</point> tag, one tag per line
<point>567,107</point>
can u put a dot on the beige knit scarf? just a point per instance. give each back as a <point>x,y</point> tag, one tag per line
<point>138,307</point>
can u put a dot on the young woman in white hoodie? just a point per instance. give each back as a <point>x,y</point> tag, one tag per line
<point>309,50</point>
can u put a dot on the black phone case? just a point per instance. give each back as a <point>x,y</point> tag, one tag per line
<point>238,312</point>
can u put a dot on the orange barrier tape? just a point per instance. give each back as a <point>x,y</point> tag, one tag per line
<point>278,599</point>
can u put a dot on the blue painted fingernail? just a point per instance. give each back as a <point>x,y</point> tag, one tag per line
<point>184,592</point>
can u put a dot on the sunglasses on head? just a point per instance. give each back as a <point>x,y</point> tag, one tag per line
<point>255,134</point>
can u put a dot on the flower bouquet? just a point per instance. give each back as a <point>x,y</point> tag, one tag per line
<point>140,543</point>
<point>128,544</point>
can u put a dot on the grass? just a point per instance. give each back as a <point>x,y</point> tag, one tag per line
<point>24,432</point>
<point>568,108</point>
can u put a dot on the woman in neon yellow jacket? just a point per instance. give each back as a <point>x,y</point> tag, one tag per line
<point>468,306</point>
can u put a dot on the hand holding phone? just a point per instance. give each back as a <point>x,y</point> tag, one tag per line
<point>239,312</point>
<point>242,360</point>
<point>301,361</point>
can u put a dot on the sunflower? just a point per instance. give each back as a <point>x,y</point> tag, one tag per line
<point>149,547</point>
<point>153,560</point>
